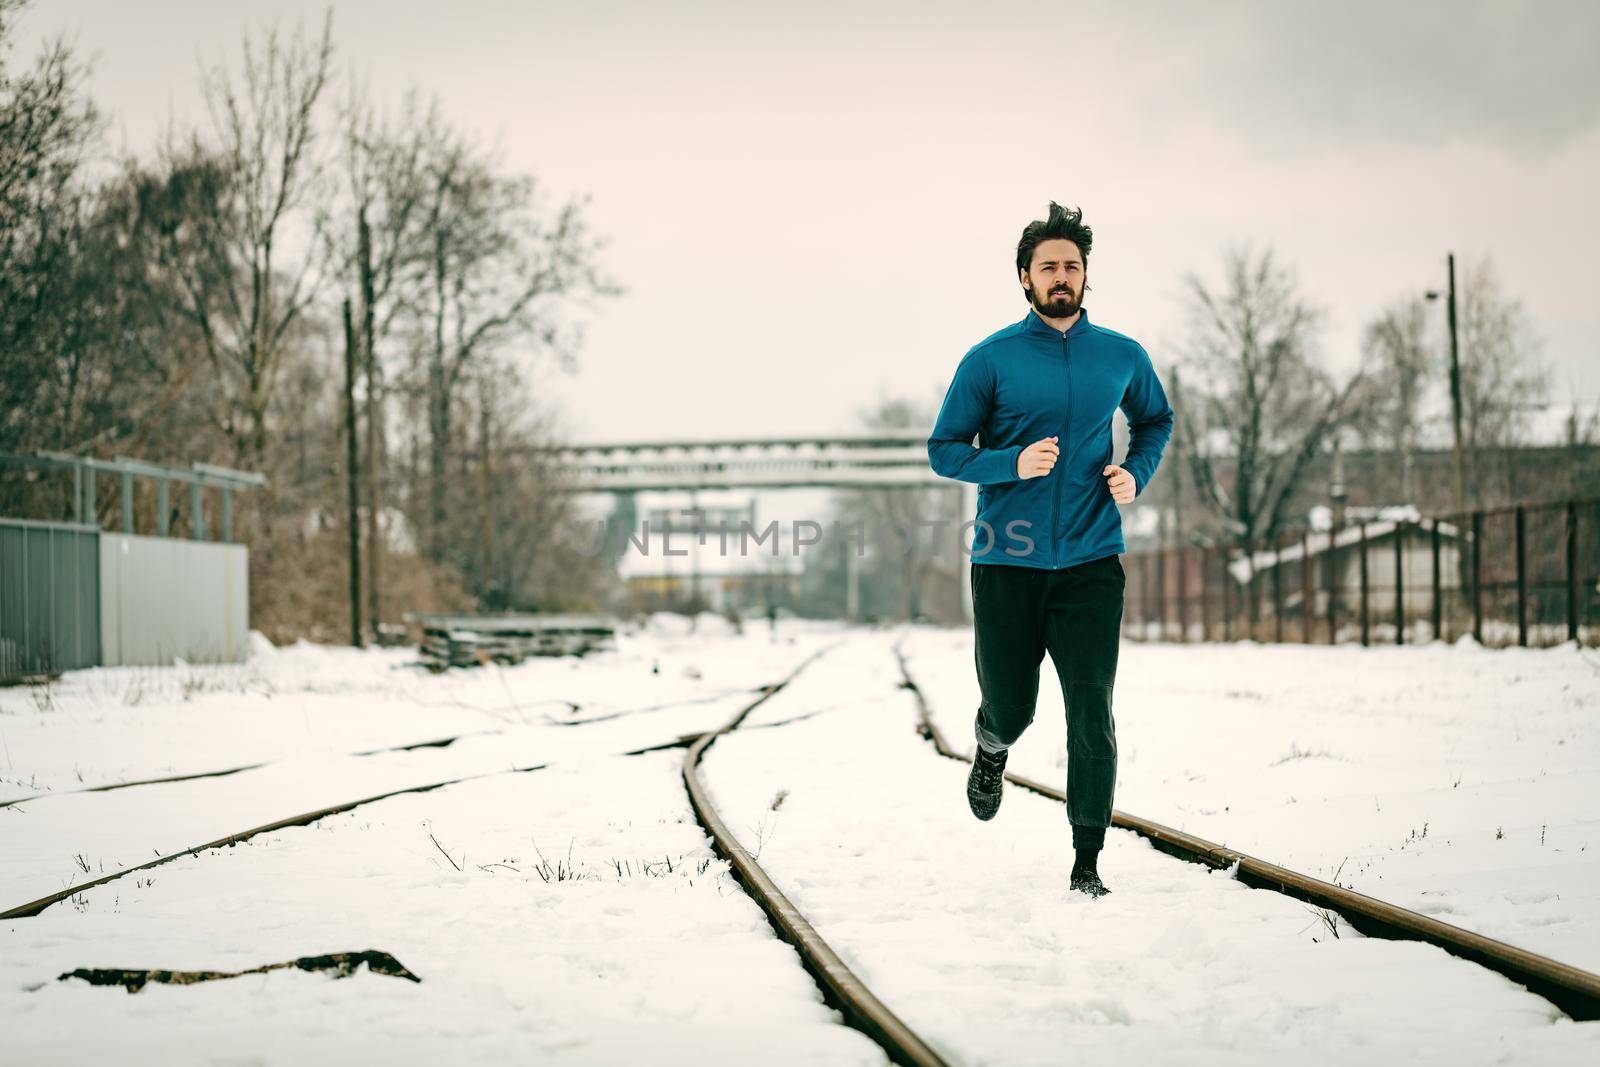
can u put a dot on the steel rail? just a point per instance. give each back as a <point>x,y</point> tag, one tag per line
<point>34,907</point>
<point>841,988</point>
<point>439,742</point>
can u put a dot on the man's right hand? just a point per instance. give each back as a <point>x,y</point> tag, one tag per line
<point>1038,459</point>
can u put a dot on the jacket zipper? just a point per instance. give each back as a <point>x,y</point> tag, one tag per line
<point>1062,455</point>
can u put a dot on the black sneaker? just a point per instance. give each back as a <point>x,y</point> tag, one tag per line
<point>1089,882</point>
<point>984,783</point>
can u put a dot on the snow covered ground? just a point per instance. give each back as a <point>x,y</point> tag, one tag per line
<point>575,912</point>
<point>126,723</point>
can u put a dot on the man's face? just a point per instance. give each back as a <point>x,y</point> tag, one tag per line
<point>1055,280</point>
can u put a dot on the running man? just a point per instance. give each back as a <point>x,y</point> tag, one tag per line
<point>1039,396</point>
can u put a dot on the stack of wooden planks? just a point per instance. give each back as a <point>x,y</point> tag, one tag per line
<point>472,640</point>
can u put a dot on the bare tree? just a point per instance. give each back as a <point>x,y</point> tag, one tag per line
<point>1262,400</point>
<point>1503,378</point>
<point>1405,368</point>
<point>1582,446</point>
<point>185,305</point>
<point>378,246</point>
<point>47,128</point>
<point>496,275</point>
<point>519,557</point>
<point>1582,427</point>
<point>129,377</point>
<point>249,260</point>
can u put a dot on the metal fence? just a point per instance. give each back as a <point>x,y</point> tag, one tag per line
<point>1525,575</point>
<point>71,597</point>
<point>49,597</point>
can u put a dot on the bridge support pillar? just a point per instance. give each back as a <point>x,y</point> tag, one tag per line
<point>852,582</point>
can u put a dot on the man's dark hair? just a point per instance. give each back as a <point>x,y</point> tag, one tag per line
<point>1063,222</point>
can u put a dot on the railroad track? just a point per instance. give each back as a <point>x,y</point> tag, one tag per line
<point>1575,991</point>
<point>306,818</point>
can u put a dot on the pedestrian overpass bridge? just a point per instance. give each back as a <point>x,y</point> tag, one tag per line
<point>886,459</point>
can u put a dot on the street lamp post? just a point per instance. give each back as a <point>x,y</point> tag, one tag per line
<point>1455,382</point>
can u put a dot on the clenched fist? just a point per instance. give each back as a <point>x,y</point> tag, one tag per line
<point>1120,482</point>
<point>1038,459</point>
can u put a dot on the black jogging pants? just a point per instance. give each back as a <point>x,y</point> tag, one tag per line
<point>1075,614</point>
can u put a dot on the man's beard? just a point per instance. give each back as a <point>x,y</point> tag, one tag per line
<point>1060,306</point>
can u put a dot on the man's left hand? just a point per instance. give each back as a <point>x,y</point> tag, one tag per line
<point>1120,482</point>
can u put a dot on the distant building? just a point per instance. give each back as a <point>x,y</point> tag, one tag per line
<point>712,557</point>
<point>1336,564</point>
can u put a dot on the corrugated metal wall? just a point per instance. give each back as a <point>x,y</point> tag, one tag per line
<point>162,597</point>
<point>49,597</point>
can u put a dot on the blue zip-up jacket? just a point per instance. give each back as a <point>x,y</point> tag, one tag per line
<point>1030,381</point>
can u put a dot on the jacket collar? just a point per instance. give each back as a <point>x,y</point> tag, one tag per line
<point>1034,324</point>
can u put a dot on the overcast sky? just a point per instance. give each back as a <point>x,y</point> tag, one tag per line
<point>813,205</point>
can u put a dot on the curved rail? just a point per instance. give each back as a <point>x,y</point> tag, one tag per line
<point>1573,990</point>
<point>441,742</point>
<point>841,988</point>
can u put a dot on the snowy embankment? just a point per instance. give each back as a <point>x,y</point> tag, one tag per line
<point>1453,780</point>
<point>968,932</point>
<point>588,922</point>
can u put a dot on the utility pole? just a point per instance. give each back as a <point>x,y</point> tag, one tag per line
<point>1455,383</point>
<point>374,453</point>
<point>352,477</point>
<point>487,593</point>
<point>1176,478</point>
<point>1337,495</point>
<point>694,560</point>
